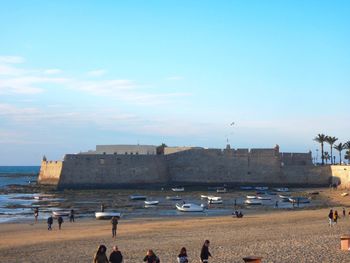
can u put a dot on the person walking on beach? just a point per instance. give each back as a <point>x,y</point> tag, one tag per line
<point>182,257</point>
<point>205,254</point>
<point>335,217</point>
<point>344,213</point>
<point>116,256</point>
<point>114,222</point>
<point>330,217</point>
<point>100,256</point>
<point>36,214</point>
<point>71,215</point>
<point>151,257</point>
<point>102,207</point>
<point>60,221</point>
<point>49,223</point>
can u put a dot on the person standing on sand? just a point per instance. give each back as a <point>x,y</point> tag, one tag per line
<point>344,213</point>
<point>335,217</point>
<point>100,256</point>
<point>36,214</point>
<point>71,215</point>
<point>49,223</point>
<point>114,222</point>
<point>102,207</point>
<point>330,217</point>
<point>60,221</point>
<point>205,254</point>
<point>116,256</point>
<point>182,257</point>
<point>151,257</point>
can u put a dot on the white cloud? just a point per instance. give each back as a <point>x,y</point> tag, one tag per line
<point>97,72</point>
<point>11,59</point>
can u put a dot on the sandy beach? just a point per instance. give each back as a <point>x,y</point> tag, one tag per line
<point>283,236</point>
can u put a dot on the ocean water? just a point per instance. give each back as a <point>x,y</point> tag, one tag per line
<point>18,175</point>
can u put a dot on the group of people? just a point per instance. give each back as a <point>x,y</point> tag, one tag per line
<point>50,219</point>
<point>150,257</point>
<point>333,216</point>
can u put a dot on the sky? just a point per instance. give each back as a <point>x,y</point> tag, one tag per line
<point>74,74</point>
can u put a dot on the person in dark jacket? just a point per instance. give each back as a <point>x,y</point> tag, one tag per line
<point>182,257</point>
<point>205,254</point>
<point>71,215</point>
<point>151,257</point>
<point>100,256</point>
<point>114,222</point>
<point>330,217</point>
<point>116,256</point>
<point>60,221</point>
<point>36,214</point>
<point>49,223</point>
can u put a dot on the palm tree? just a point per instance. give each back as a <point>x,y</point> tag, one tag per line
<point>347,154</point>
<point>326,156</point>
<point>321,138</point>
<point>339,147</point>
<point>331,140</point>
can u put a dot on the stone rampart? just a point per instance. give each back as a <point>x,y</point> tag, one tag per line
<point>341,175</point>
<point>50,172</point>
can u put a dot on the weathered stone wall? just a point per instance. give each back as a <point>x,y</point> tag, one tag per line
<point>341,175</point>
<point>50,172</point>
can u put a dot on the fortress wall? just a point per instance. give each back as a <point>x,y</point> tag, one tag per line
<point>50,172</point>
<point>306,175</point>
<point>100,171</point>
<point>341,175</point>
<point>296,158</point>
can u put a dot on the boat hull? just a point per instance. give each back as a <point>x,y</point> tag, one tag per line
<point>106,215</point>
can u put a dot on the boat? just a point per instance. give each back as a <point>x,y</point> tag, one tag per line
<point>204,196</point>
<point>283,189</point>
<point>174,198</point>
<point>264,197</point>
<point>253,202</point>
<point>261,188</point>
<point>300,200</point>
<point>221,190</point>
<point>138,197</point>
<point>178,189</point>
<point>151,202</point>
<point>214,200</point>
<point>344,194</point>
<point>246,187</point>
<point>60,213</point>
<point>188,207</point>
<point>106,215</point>
<point>251,196</point>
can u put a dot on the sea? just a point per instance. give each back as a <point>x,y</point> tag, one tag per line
<point>20,195</point>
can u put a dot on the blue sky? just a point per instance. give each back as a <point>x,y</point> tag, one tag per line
<point>74,74</point>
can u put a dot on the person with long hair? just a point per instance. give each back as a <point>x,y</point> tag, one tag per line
<point>100,256</point>
<point>205,254</point>
<point>182,257</point>
<point>151,257</point>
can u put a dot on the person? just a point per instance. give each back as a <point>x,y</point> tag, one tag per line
<point>182,257</point>
<point>240,215</point>
<point>276,204</point>
<point>102,207</point>
<point>151,257</point>
<point>116,256</point>
<point>49,223</point>
<point>71,215</point>
<point>344,213</point>
<point>60,221</point>
<point>100,256</point>
<point>335,217</point>
<point>330,217</point>
<point>114,222</point>
<point>36,214</point>
<point>205,254</point>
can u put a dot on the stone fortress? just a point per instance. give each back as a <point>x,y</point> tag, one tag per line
<point>147,165</point>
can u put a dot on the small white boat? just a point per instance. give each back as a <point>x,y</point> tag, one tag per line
<point>178,189</point>
<point>283,189</point>
<point>253,202</point>
<point>214,200</point>
<point>204,196</point>
<point>284,196</point>
<point>151,202</point>
<point>189,208</point>
<point>251,196</point>
<point>106,215</point>
<point>174,198</point>
<point>60,213</point>
<point>300,200</point>
<point>221,190</point>
<point>264,197</point>
<point>138,197</point>
<point>261,188</point>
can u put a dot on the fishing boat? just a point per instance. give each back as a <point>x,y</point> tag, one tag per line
<point>261,188</point>
<point>174,198</point>
<point>246,187</point>
<point>204,196</point>
<point>138,197</point>
<point>60,213</point>
<point>251,196</point>
<point>283,189</point>
<point>189,207</point>
<point>221,190</point>
<point>285,198</point>
<point>300,200</point>
<point>178,189</point>
<point>214,200</point>
<point>264,197</point>
<point>253,202</point>
<point>106,215</point>
<point>151,202</point>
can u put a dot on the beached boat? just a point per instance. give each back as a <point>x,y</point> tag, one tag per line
<point>261,188</point>
<point>60,213</point>
<point>264,197</point>
<point>151,202</point>
<point>189,207</point>
<point>204,196</point>
<point>174,198</point>
<point>178,189</point>
<point>214,200</point>
<point>344,194</point>
<point>221,190</point>
<point>251,196</point>
<point>300,200</point>
<point>246,188</point>
<point>106,215</point>
<point>253,202</point>
<point>283,189</point>
<point>138,197</point>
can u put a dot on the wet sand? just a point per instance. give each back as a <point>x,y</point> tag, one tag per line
<point>282,236</point>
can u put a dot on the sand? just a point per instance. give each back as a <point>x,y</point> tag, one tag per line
<point>283,236</point>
